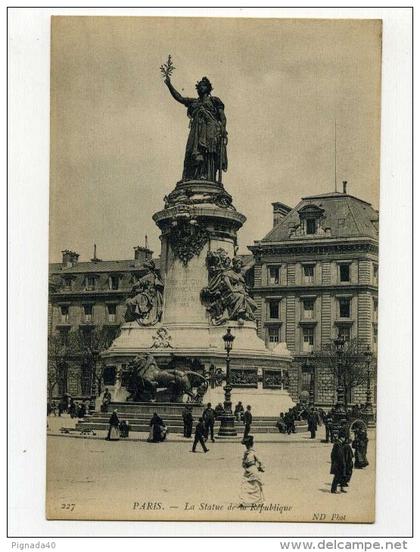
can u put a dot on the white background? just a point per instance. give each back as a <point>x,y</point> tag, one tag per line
<point>28,278</point>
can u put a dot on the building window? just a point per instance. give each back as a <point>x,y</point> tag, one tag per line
<point>375,274</point>
<point>68,284</point>
<point>344,272</point>
<point>308,309</point>
<point>112,312</point>
<point>87,313</point>
<point>64,311</point>
<point>114,282</point>
<point>345,332</point>
<point>344,307</point>
<point>375,338</point>
<point>273,334</point>
<point>90,283</point>
<point>273,275</point>
<point>273,310</point>
<point>308,340</point>
<point>308,274</point>
<point>311,226</point>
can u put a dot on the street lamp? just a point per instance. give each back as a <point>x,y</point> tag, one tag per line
<point>369,406</point>
<point>227,423</point>
<point>340,410</point>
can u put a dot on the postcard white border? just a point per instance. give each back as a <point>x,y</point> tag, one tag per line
<point>28,263</point>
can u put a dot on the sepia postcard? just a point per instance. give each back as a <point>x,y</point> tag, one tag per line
<point>213,269</point>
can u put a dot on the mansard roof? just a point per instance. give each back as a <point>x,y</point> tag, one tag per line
<point>87,267</point>
<point>341,216</point>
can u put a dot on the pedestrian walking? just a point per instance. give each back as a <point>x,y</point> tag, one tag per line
<point>312,423</point>
<point>114,427</point>
<point>252,484</point>
<point>338,466</point>
<point>348,460</point>
<point>188,419</point>
<point>247,418</point>
<point>328,420</point>
<point>209,417</point>
<point>199,435</point>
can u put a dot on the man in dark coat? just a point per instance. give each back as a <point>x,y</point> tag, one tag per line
<point>199,435</point>
<point>348,459</point>
<point>188,419</point>
<point>338,466</point>
<point>209,416</point>
<point>312,423</point>
<point>290,422</point>
<point>157,429</point>
<point>247,422</point>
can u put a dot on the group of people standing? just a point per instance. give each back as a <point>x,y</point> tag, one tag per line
<point>208,419</point>
<point>67,405</point>
<point>287,421</point>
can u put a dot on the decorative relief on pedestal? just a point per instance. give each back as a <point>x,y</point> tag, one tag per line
<point>246,377</point>
<point>227,296</point>
<point>274,379</point>
<point>180,197</point>
<point>216,376</point>
<point>187,238</point>
<point>162,339</point>
<point>146,298</point>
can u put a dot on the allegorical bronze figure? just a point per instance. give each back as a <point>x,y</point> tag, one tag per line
<point>205,154</point>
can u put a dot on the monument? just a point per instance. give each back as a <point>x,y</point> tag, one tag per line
<point>179,314</point>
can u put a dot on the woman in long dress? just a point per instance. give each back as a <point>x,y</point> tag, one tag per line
<point>158,429</point>
<point>252,485</point>
<point>360,445</point>
<point>114,427</point>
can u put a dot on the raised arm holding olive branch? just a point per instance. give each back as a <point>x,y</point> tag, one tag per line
<point>205,153</point>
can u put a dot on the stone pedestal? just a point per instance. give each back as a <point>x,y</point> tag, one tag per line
<point>198,217</point>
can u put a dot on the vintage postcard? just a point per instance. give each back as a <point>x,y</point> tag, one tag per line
<point>213,277</point>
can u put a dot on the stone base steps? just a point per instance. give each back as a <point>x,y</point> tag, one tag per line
<point>138,417</point>
<point>140,423</point>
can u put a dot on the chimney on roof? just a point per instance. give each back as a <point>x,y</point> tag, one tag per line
<point>95,259</point>
<point>70,258</point>
<point>280,210</point>
<point>142,254</point>
<point>344,186</point>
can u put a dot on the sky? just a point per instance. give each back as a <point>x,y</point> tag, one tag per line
<point>118,138</point>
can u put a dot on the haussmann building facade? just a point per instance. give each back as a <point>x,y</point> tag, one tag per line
<point>316,276</point>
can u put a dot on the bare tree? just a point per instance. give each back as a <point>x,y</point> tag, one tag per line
<point>59,353</point>
<point>352,369</point>
<point>90,342</point>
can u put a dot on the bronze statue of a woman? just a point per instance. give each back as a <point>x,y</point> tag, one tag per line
<point>205,154</point>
